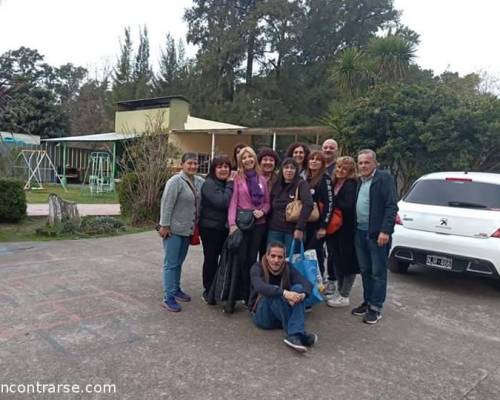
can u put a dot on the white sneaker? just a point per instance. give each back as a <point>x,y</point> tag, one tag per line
<point>338,301</point>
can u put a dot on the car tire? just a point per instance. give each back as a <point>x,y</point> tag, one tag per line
<point>399,267</point>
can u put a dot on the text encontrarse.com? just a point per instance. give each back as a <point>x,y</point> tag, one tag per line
<point>40,388</point>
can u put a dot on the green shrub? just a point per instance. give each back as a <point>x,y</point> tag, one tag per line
<point>101,225</point>
<point>12,200</point>
<point>143,206</point>
<point>90,226</point>
<point>126,189</point>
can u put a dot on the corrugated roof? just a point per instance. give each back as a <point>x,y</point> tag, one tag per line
<point>194,123</point>
<point>98,137</point>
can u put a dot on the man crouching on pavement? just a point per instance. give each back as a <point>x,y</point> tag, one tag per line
<point>277,297</point>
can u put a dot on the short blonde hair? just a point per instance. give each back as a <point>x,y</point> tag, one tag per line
<point>251,151</point>
<point>348,161</point>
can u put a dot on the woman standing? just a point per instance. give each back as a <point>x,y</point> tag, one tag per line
<point>300,153</point>
<point>180,205</point>
<point>236,150</point>
<point>249,194</point>
<point>215,197</point>
<point>320,185</point>
<point>341,243</point>
<point>289,183</point>
<point>268,160</point>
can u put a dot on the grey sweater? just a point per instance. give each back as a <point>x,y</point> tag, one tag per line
<point>178,205</point>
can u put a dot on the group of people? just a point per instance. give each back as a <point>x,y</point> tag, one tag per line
<point>250,196</point>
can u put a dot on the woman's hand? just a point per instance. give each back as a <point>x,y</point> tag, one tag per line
<point>232,229</point>
<point>258,214</point>
<point>165,232</point>
<point>321,233</point>
<point>298,235</point>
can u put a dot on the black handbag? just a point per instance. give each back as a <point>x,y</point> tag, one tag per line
<point>245,220</point>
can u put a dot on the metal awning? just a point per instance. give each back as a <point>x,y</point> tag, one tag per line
<point>98,137</point>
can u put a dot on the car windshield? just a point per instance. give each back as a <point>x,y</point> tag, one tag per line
<point>455,193</point>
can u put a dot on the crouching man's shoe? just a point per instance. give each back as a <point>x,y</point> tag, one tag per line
<point>295,343</point>
<point>372,317</point>
<point>360,310</point>
<point>309,339</point>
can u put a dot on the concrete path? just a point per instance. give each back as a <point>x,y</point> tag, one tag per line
<point>84,209</point>
<point>88,312</point>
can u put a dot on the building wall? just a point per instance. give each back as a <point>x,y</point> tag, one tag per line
<point>202,143</point>
<point>141,120</point>
<point>172,117</point>
<point>179,111</point>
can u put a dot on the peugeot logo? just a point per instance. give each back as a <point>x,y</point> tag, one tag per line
<point>444,222</point>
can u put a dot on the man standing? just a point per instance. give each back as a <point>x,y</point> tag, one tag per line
<point>376,209</point>
<point>277,297</point>
<point>330,150</point>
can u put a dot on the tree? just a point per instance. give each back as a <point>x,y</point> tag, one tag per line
<point>142,73</point>
<point>392,56</point>
<point>29,105</point>
<point>416,129</point>
<point>174,69</point>
<point>123,87</point>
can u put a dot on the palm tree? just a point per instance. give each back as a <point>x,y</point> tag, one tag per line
<point>351,72</point>
<point>392,55</point>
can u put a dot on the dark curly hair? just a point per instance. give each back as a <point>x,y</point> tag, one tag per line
<point>267,152</point>
<point>291,149</point>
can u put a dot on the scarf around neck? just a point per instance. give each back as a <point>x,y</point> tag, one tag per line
<point>256,194</point>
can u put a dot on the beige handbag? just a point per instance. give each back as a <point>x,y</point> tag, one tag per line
<point>294,208</point>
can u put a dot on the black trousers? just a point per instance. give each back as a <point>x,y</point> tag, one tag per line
<point>317,244</point>
<point>248,251</point>
<point>212,241</point>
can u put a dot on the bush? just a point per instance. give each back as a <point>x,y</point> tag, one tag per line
<point>145,166</point>
<point>101,225</point>
<point>90,226</point>
<point>126,189</point>
<point>12,200</point>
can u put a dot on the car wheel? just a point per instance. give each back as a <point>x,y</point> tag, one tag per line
<point>397,266</point>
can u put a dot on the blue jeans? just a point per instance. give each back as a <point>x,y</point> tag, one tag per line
<point>275,313</point>
<point>372,261</point>
<point>175,248</point>
<point>285,238</point>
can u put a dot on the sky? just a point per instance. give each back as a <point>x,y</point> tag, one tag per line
<point>456,35</point>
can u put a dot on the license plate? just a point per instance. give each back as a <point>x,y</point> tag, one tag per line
<point>439,262</point>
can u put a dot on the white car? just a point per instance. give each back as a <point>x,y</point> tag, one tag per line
<point>450,221</point>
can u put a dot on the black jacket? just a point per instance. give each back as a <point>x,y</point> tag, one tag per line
<point>322,194</point>
<point>215,197</point>
<point>260,286</point>
<point>281,195</point>
<point>383,204</point>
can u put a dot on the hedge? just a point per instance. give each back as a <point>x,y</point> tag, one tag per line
<point>12,200</point>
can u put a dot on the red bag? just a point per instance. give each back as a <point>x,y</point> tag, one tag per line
<point>335,222</point>
<point>194,239</point>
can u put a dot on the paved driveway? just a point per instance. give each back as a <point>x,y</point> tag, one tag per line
<point>88,312</point>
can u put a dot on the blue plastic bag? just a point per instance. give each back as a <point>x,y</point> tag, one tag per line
<point>308,268</point>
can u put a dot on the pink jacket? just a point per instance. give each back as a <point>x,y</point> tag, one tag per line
<point>241,199</point>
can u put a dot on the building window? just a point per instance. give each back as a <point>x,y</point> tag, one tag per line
<point>203,163</point>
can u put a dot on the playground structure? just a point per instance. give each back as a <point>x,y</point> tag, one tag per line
<point>100,173</point>
<point>34,164</point>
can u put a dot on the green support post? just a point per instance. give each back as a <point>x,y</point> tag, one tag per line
<point>64,165</point>
<point>113,168</point>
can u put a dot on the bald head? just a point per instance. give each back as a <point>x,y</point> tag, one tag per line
<point>330,149</point>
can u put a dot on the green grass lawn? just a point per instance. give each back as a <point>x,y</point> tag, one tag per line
<point>74,193</point>
<point>25,230</point>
